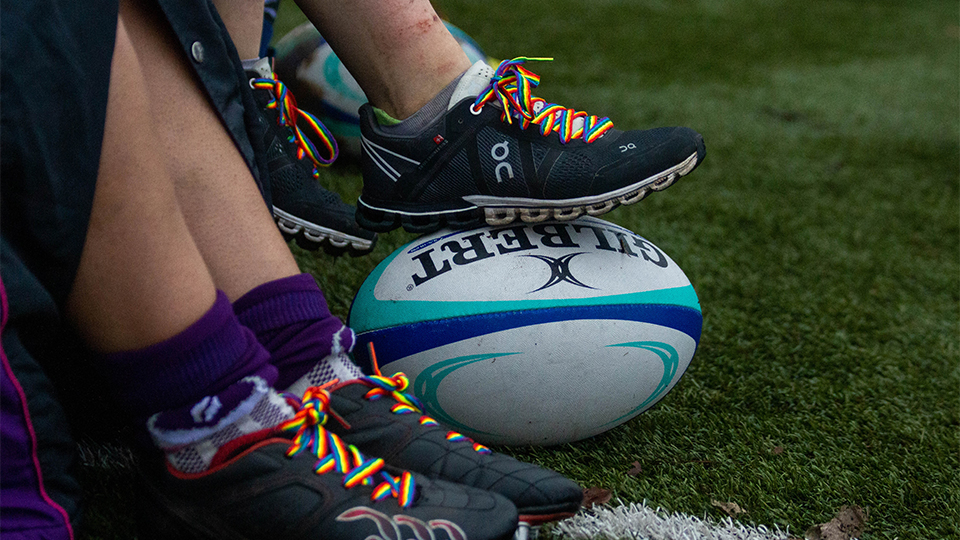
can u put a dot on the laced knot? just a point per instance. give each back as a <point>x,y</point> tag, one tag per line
<point>393,387</point>
<point>333,455</point>
<point>512,86</point>
<point>286,105</point>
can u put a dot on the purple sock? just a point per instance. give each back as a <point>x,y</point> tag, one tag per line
<point>290,318</point>
<point>207,357</point>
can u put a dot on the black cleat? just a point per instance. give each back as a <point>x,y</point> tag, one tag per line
<point>303,209</point>
<point>303,482</point>
<point>386,422</point>
<point>477,163</point>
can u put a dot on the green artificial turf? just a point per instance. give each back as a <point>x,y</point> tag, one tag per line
<point>822,234</point>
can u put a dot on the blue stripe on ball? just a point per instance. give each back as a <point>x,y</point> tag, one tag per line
<point>401,341</point>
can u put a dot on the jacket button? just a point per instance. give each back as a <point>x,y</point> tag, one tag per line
<point>197,51</point>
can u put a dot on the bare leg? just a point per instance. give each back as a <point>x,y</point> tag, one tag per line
<point>222,207</point>
<point>224,210</point>
<point>398,50</point>
<point>244,22</point>
<point>141,278</point>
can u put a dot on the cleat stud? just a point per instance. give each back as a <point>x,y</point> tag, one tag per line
<point>566,214</point>
<point>534,215</point>
<point>664,183</point>
<point>420,224</point>
<point>287,227</point>
<point>374,220</point>
<point>314,236</point>
<point>601,208</point>
<point>466,219</point>
<point>499,216</point>
<point>634,197</point>
<point>306,244</point>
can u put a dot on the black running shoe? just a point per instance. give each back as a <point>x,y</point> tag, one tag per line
<point>303,209</point>
<point>499,153</point>
<point>305,483</point>
<point>384,421</point>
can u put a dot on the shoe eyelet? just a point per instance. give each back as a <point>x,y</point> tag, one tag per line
<point>475,112</point>
<point>251,81</point>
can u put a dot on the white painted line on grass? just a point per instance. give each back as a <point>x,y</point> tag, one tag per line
<point>640,522</point>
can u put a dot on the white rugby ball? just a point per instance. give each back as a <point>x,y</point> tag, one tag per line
<point>324,87</point>
<point>531,334</point>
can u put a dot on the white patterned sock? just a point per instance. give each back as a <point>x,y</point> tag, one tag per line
<point>191,436</point>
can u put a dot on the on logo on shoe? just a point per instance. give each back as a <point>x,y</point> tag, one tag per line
<point>499,158</point>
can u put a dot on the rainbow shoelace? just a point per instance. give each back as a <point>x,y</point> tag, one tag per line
<point>393,387</point>
<point>282,100</point>
<point>512,86</point>
<point>333,455</point>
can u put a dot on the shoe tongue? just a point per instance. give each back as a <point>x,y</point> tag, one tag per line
<point>260,66</point>
<point>578,122</point>
<point>473,81</point>
<point>477,79</point>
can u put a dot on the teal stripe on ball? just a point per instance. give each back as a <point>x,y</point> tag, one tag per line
<point>373,315</point>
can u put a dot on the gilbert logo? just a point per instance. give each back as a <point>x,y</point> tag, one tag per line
<point>441,255</point>
<point>390,527</point>
<point>500,152</point>
<point>559,271</point>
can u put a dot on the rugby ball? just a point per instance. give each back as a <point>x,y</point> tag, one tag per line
<point>321,84</point>
<point>532,333</point>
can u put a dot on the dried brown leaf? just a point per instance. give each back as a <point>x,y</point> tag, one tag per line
<point>850,522</point>
<point>636,469</point>
<point>777,450</point>
<point>732,509</point>
<point>596,495</point>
